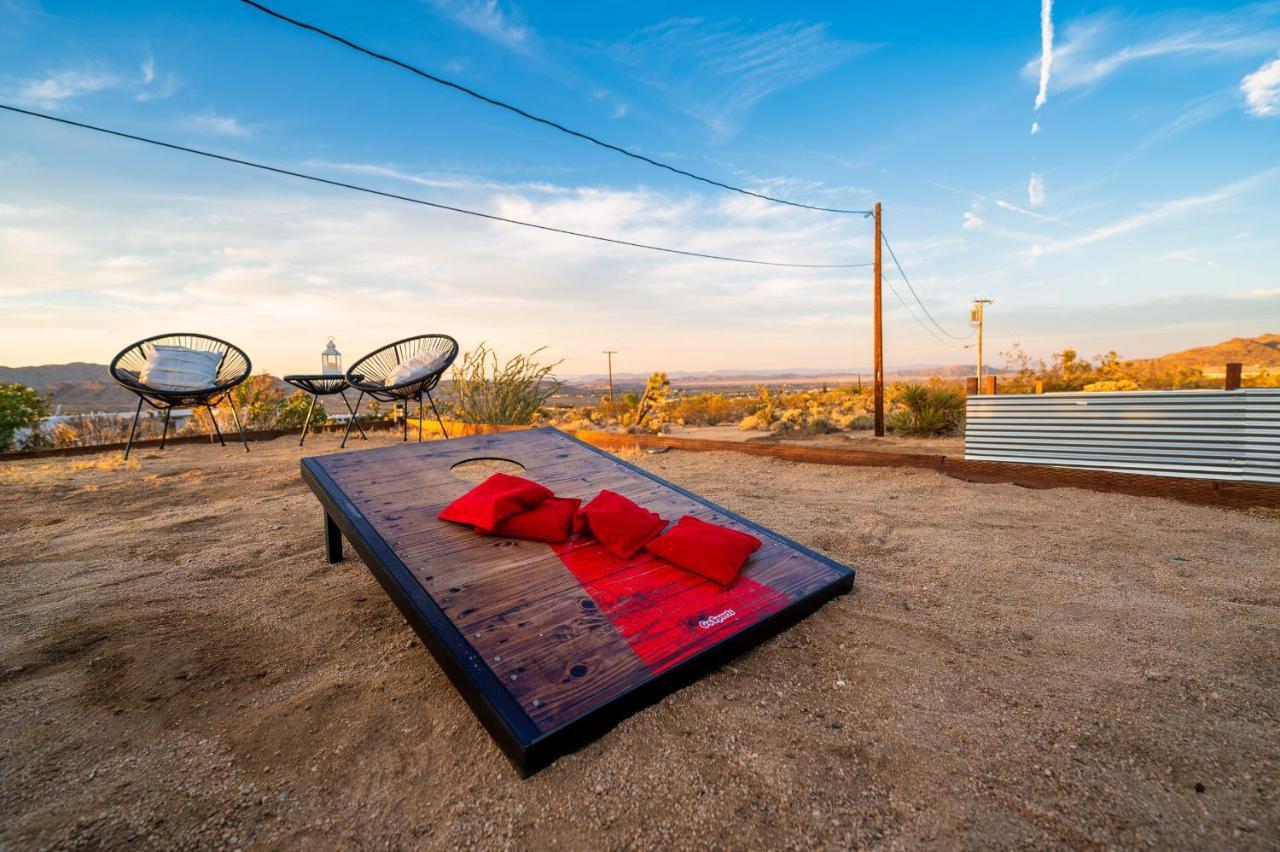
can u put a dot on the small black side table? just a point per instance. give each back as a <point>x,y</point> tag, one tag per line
<point>318,385</point>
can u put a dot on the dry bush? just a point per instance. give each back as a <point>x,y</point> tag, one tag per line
<point>711,409</point>
<point>482,391</point>
<point>87,430</point>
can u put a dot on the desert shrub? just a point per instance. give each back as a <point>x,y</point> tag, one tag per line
<point>1068,371</point>
<point>794,412</point>
<point>710,409</point>
<point>513,393</point>
<point>293,412</point>
<point>924,411</point>
<point>86,430</point>
<point>854,422</point>
<point>614,409</point>
<point>21,408</point>
<point>1111,386</point>
<point>259,400</point>
<point>1264,378</point>
<point>792,426</point>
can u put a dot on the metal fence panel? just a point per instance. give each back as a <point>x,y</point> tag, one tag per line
<point>1231,435</point>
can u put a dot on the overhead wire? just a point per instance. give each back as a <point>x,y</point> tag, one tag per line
<point>916,295</point>
<point>626,152</point>
<point>913,315</point>
<point>410,199</point>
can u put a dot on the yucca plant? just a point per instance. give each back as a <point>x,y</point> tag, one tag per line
<point>482,391</point>
<point>924,411</point>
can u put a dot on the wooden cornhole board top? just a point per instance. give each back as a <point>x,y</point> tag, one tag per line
<point>553,644</point>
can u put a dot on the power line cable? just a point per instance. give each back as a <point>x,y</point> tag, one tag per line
<point>423,202</point>
<point>917,295</point>
<point>913,315</point>
<point>427,75</point>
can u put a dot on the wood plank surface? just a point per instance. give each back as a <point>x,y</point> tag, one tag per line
<point>565,629</point>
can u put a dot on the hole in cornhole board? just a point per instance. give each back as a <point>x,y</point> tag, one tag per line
<point>480,469</point>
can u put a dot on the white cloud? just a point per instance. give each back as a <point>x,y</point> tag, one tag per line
<point>1095,47</point>
<point>220,125</point>
<point>155,85</point>
<point>972,221</point>
<point>1035,190</point>
<point>440,180</point>
<point>1159,212</point>
<point>1002,204</point>
<point>718,72</point>
<point>271,269</point>
<point>1198,111</point>
<point>58,89</point>
<point>1046,54</point>
<point>492,19</point>
<point>52,90</point>
<point>1262,89</point>
<point>1260,293</point>
<point>1035,128</point>
<point>1022,211</point>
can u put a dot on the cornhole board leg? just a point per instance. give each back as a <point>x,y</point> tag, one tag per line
<point>332,540</point>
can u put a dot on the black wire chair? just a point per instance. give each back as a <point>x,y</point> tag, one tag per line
<point>369,376</point>
<point>233,368</point>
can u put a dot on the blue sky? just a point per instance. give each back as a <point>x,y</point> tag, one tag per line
<point>1141,214</point>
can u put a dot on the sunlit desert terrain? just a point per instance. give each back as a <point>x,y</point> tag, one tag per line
<point>180,666</point>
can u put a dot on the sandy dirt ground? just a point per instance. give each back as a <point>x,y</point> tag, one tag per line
<point>180,667</point>
<point>859,440</point>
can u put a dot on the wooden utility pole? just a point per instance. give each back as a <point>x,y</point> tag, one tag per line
<point>610,353</point>
<point>975,318</point>
<point>879,338</point>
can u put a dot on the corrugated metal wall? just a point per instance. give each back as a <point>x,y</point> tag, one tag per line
<point>1231,435</point>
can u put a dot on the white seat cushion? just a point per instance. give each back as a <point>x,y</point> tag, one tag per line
<point>178,368</point>
<point>418,367</point>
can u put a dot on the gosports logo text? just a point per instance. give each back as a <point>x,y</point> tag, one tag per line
<point>712,620</point>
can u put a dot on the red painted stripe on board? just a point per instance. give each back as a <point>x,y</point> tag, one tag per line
<point>667,614</point>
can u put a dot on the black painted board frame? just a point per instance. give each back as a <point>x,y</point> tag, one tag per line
<point>510,726</point>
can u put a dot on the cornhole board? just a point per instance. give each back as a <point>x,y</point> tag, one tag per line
<point>551,645</point>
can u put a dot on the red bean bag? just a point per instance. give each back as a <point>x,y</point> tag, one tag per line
<point>494,500</point>
<point>618,523</point>
<point>550,521</point>
<point>715,552</point>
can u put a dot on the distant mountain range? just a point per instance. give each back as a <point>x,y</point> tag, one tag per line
<point>80,387</point>
<point>1254,353</point>
<point>76,387</point>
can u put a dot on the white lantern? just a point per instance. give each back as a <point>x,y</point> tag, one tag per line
<point>331,360</point>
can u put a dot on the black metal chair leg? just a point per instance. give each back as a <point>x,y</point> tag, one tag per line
<point>129,444</point>
<point>164,433</point>
<point>363,434</point>
<point>236,415</point>
<point>354,415</point>
<point>404,410</point>
<point>443,431</point>
<point>213,418</point>
<point>419,416</point>
<point>307,423</point>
